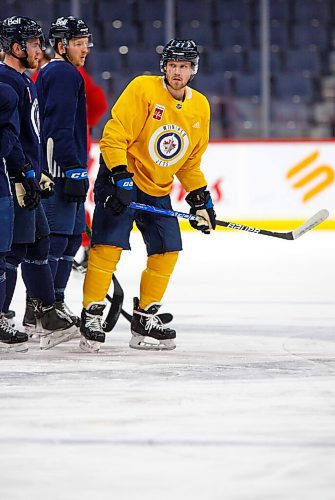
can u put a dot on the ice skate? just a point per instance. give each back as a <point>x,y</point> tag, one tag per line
<point>11,339</point>
<point>92,334</point>
<point>81,264</point>
<point>148,331</point>
<point>10,315</point>
<point>29,322</point>
<point>64,308</point>
<point>53,325</point>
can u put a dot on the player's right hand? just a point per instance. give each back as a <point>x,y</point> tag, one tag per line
<point>27,189</point>
<point>121,186</point>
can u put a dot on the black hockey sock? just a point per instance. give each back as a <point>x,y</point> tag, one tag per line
<point>38,280</point>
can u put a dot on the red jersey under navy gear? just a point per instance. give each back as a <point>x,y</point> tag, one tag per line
<point>63,126</point>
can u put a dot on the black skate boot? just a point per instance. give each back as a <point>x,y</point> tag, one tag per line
<point>92,334</point>
<point>146,326</point>
<point>10,315</point>
<point>54,326</point>
<point>29,321</point>
<point>11,339</point>
<point>61,306</point>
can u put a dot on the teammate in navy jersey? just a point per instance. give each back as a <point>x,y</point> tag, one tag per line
<point>22,40</point>
<point>61,95</point>
<point>10,338</point>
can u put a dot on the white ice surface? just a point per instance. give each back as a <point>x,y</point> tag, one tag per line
<point>244,408</point>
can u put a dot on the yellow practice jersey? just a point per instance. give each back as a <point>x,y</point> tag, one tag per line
<point>157,136</point>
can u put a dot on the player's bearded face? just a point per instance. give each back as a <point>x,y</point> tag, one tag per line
<point>34,52</point>
<point>178,73</point>
<point>77,51</point>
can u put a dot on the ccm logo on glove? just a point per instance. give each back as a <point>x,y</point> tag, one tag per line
<point>76,174</point>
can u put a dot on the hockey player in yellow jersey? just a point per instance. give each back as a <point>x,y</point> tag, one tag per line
<point>159,129</point>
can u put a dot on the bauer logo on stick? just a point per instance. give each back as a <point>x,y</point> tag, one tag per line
<point>232,225</point>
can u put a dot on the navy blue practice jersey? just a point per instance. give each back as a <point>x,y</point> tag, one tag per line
<point>61,95</point>
<point>29,117</point>
<point>9,135</point>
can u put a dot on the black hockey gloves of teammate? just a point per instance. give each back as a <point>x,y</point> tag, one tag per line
<point>27,189</point>
<point>76,184</point>
<point>47,184</point>
<point>120,189</point>
<point>201,205</point>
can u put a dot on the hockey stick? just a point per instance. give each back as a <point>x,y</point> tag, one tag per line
<point>115,309</point>
<point>314,221</point>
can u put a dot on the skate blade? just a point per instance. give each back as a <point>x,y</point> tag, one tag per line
<point>89,345</point>
<point>47,341</point>
<point>75,335</point>
<point>139,342</point>
<point>33,333</point>
<point>22,347</point>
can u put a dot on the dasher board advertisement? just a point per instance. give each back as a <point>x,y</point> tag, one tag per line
<point>273,182</point>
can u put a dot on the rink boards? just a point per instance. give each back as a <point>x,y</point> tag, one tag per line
<point>276,184</point>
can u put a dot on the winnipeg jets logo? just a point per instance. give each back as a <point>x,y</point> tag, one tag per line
<point>168,145</point>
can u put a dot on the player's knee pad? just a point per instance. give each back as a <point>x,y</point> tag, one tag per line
<point>58,245</point>
<point>162,263</point>
<point>104,258</point>
<point>74,242</point>
<point>16,255</point>
<point>39,250</point>
<point>2,263</point>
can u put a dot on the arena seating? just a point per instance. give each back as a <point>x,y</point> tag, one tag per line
<point>129,36</point>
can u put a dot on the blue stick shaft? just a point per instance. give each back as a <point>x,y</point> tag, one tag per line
<point>162,211</point>
<point>290,235</point>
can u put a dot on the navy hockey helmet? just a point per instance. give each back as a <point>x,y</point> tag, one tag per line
<point>180,50</point>
<point>66,28</point>
<point>19,29</point>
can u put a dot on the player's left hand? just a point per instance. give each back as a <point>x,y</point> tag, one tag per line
<point>76,185</point>
<point>202,206</point>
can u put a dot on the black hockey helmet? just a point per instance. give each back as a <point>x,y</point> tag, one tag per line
<point>19,29</point>
<point>66,28</point>
<point>180,50</point>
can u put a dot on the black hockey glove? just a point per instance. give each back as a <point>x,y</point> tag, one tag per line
<point>76,185</point>
<point>201,205</point>
<point>27,189</point>
<point>47,184</point>
<point>120,188</point>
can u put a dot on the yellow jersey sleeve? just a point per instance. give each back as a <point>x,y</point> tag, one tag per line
<point>124,126</point>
